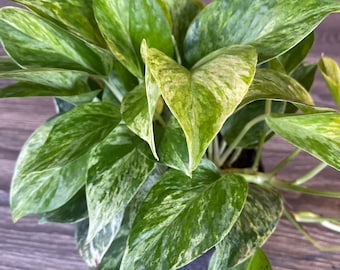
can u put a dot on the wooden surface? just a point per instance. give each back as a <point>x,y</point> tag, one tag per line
<point>27,245</point>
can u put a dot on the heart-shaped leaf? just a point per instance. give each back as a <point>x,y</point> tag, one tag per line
<point>33,41</point>
<point>44,82</point>
<point>271,84</point>
<point>81,22</point>
<point>259,217</point>
<point>111,183</point>
<point>203,98</point>
<point>183,217</point>
<point>331,74</point>
<point>318,134</point>
<point>52,165</point>
<point>125,23</point>
<point>271,26</point>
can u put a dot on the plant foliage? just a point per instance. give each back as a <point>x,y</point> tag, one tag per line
<point>156,101</point>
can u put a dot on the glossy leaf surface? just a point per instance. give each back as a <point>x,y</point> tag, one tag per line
<point>94,251</point>
<point>7,64</point>
<point>75,210</point>
<point>173,149</point>
<point>183,217</point>
<point>114,255</point>
<point>182,14</point>
<point>52,165</point>
<point>203,98</point>
<point>139,106</point>
<point>271,26</point>
<point>111,183</point>
<point>318,134</point>
<point>256,223</point>
<point>294,57</point>
<point>270,84</point>
<point>35,42</point>
<point>76,16</point>
<point>331,74</point>
<point>44,82</point>
<point>125,23</point>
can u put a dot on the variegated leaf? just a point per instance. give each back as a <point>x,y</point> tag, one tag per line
<point>33,41</point>
<point>182,217</point>
<point>44,82</point>
<point>271,26</point>
<point>52,165</point>
<point>318,134</point>
<point>256,223</point>
<point>203,98</point>
<point>111,181</point>
<point>74,15</point>
<point>331,74</point>
<point>125,23</point>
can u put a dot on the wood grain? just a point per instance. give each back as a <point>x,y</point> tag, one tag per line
<point>27,245</point>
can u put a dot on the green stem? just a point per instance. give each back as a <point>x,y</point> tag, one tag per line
<point>284,185</point>
<point>308,176</point>
<point>160,119</point>
<point>178,55</point>
<point>234,156</point>
<point>268,110</point>
<point>301,229</point>
<point>285,161</point>
<point>244,131</point>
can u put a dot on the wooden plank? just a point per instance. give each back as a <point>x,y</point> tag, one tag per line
<point>27,245</point>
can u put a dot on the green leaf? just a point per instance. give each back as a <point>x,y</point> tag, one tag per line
<point>44,82</point>
<point>331,74</point>
<point>297,54</point>
<point>125,23</point>
<point>94,251</point>
<point>81,98</point>
<point>52,165</point>
<point>271,26</point>
<point>182,14</point>
<point>7,64</point>
<point>173,149</point>
<point>259,218</point>
<point>136,114</point>
<point>270,84</point>
<point>318,134</point>
<point>111,183</point>
<point>113,257</point>
<point>305,74</point>
<point>76,16</point>
<point>259,261</point>
<point>203,98</point>
<point>33,41</point>
<point>183,217</point>
<point>237,121</point>
<point>75,210</point>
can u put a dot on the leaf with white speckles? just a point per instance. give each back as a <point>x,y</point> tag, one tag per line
<point>125,23</point>
<point>256,223</point>
<point>331,74</point>
<point>271,26</point>
<point>116,170</point>
<point>318,134</point>
<point>33,41</point>
<point>183,217</point>
<point>203,98</point>
<point>74,15</point>
<point>52,165</point>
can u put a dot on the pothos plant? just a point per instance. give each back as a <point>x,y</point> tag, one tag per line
<point>157,101</point>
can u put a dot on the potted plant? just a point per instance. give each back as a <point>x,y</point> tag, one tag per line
<point>158,102</point>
